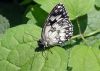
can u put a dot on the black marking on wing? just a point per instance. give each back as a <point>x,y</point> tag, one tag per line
<point>57,18</point>
<point>57,10</point>
<point>52,22</point>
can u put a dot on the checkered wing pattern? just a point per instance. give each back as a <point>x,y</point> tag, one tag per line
<point>57,29</point>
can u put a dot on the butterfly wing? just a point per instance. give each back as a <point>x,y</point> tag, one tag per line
<point>58,28</point>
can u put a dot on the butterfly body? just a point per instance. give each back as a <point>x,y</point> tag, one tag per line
<point>57,28</point>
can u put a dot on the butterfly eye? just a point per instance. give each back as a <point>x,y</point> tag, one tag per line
<point>57,29</point>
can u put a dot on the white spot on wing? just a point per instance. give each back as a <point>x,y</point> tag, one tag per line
<point>52,18</point>
<point>66,35</point>
<point>62,34</point>
<point>60,42</point>
<point>60,10</point>
<point>70,33</point>
<point>56,26</point>
<point>62,31</point>
<point>52,36</point>
<point>47,30</point>
<point>62,38</point>
<point>64,13</point>
<point>59,6</point>
<point>56,11</point>
<point>57,17</point>
<point>49,33</point>
<point>70,28</point>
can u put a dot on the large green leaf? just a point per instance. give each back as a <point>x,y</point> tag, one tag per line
<point>84,58</point>
<point>93,21</point>
<point>87,57</point>
<point>75,8</point>
<point>88,24</point>
<point>18,52</point>
<point>97,2</point>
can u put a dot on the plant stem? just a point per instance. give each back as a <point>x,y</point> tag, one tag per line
<point>80,32</point>
<point>87,35</point>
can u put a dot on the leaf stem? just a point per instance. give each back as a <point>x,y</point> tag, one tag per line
<point>81,32</point>
<point>86,35</point>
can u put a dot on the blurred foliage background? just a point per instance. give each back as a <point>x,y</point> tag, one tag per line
<point>20,29</point>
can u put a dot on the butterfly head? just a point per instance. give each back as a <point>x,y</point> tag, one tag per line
<point>41,44</point>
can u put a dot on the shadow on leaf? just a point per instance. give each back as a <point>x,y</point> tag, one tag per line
<point>39,15</point>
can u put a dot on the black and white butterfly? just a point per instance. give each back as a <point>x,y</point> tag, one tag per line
<point>57,28</point>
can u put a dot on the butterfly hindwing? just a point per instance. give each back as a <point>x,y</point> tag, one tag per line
<point>58,28</point>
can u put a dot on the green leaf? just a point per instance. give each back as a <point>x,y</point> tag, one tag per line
<point>97,2</point>
<point>82,21</point>
<point>87,57</point>
<point>36,15</point>
<point>93,22</point>
<point>88,24</point>
<point>4,24</point>
<point>79,7</point>
<point>16,36</point>
<point>18,51</point>
<point>75,8</point>
<point>84,58</point>
<point>7,66</point>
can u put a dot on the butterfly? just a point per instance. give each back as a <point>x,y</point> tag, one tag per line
<point>57,28</point>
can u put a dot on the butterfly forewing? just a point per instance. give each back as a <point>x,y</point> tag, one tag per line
<point>57,28</point>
